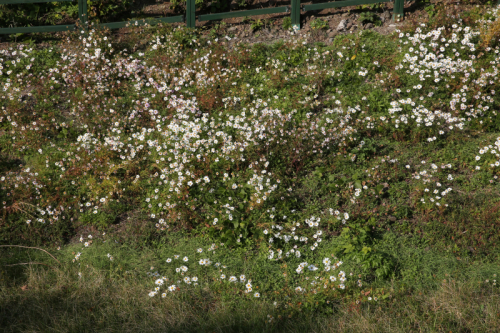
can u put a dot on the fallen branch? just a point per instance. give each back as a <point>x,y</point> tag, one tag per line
<point>36,248</point>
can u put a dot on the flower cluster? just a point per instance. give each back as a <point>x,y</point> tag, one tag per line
<point>435,195</point>
<point>217,268</point>
<point>489,156</point>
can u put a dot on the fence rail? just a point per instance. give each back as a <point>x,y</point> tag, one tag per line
<point>190,16</point>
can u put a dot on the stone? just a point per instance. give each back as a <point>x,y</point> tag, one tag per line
<point>342,25</point>
<point>332,34</point>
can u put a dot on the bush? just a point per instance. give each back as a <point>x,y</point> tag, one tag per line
<point>55,13</point>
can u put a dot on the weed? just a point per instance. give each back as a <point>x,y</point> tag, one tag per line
<point>319,24</point>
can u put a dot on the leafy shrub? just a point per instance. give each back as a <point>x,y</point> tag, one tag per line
<point>37,14</point>
<point>106,9</point>
<point>54,13</point>
<point>287,23</point>
<point>319,24</point>
<point>370,17</point>
<point>356,245</point>
<point>260,24</point>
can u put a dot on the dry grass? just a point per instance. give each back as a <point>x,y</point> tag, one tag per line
<point>59,301</point>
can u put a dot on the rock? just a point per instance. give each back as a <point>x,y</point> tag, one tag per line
<point>369,26</point>
<point>332,34</point>
<point>342,25</point>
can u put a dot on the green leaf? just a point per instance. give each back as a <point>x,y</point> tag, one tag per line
<point>365,249</point>
<point>357,184</point>
<point>348,248</point>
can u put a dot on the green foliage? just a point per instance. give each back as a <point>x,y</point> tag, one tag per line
<point>260,24</point>
<point>372,6</point>
<point>356,244</point>
<point>37,14</point>
<point>319,24</point>
<point>287,23</point>
<point>105,9</point>
<point>366,151</point>
<point>243,3</point>
<point>218,6</point>
<point>431,10</point>
<point>370,17</point>
<point>54,13</point>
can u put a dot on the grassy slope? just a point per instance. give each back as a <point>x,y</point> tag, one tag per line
<point>441,260</point>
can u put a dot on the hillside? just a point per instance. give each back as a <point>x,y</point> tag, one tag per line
<point>169,180</point>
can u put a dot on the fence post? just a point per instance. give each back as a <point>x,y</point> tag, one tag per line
<point>398,10</point>
<point>295,14</point>
<point>190,13</point>
<point>82,14</point>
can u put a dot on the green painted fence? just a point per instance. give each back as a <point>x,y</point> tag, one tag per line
<point>190,16</point>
